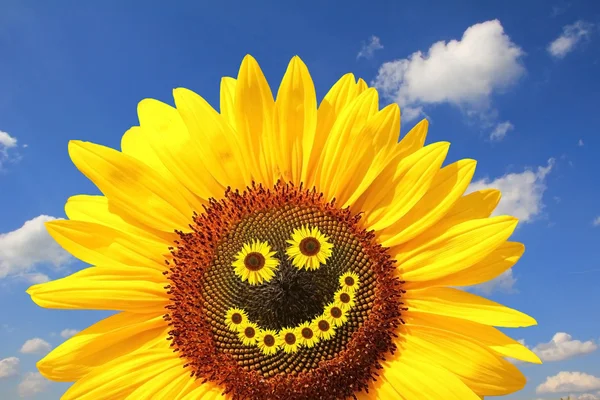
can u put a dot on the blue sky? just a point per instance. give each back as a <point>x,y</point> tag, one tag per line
<point>517,90</point>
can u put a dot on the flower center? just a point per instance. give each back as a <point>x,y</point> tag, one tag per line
<point>345,298</point>
<point>204,287</point>
<point>254,261</point>
<point>310,246</point>
<point>290,338</point>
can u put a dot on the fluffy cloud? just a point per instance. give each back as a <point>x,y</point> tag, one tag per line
<point>369,48</point>
<point>9,367</point>
<point>462,72</point>
<point>596,221</point>
<point>25,248</point>
<point>584,396</point>
<point>562,346</point>
<point>67,333</point>
<point>35,346</point>
<point>502,283</point>
<point>568,40</point>
<point>501,130</point>
<point>522,193</point>
<point>566,381</point>
<point>32,384</point>
<point>7,143</point>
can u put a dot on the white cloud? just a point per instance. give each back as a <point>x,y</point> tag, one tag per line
<point>562,346</point>
<point>67,333</point>
<point>566,381</point>
<point>583,396</point>
<point>501,130</point>
<point>504,282</point>
<point>522,193</point>
<point>25,248</point>
<point>596,221</point>
<point>580,143</point>
<point>7,142</point>
<point>32,384</point>
<point>35,346</point>
<point>368,49</point>
<point>568,40</point>
<point>462,72</point>
<point>9,367</point>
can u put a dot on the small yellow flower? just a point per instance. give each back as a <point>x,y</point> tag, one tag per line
<point>268,341</point>
<point>349,282</point>
<point>307,335</point>
<point>248,333</point>
<point>309,248</point>
<point>335,315</point>
<point>323,328</point>
<point>289,340</point>
<point>235,319</point>
<point>344,299</point>
<point>255,263</point>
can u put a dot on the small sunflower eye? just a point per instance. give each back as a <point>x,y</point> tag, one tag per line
<point>349,282</point>
<point>309,248</point>
<point>236,319</point>
<point>255,263</point>
<point>268,341</point>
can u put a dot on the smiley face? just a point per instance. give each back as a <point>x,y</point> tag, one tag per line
<point>258,264</point>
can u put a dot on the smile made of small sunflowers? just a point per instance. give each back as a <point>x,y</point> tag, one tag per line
<point>280,249</point>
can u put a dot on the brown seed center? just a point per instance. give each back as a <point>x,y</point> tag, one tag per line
<point>349,281</point>
<point>249,332</point>
<point>307,333</point>
<point>323,325</point>
<point>236,318</point>
<point>269,340</point>
<point>336,312</point>
<point>254,261</point>
<point>310,246</point>
<point>290,338</point>
<point>345,298</point>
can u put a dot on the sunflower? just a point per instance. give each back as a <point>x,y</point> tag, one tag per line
<point>190,244</point>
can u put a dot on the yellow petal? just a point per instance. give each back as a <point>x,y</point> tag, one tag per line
<point>479,368</point>
<point>344,133</point>
<point>217,143</point>
<point>475,205</point>
<point>102,342</point>
<point>366,157</point>
<point>120,377</point>
<point>140,290</point>
<point>414,139</point>
<point>98,244</point>
<point>169,137</point>
<point>485,335</point>
<point>227,98</point>
<point>398,188</point>
<point>254,106</point>
<point>339,96</point>
<point>154,388</point>
<point>448,185</point>
<point>498,261</point>
<point>135,143</point>
<point>95,209</point>
<point>453,250</point>
<point>206,391</point>
<point>361,85</point>
<point>295,121</point>
<point>176,389</point>
<point>459,304</point>
<point>413,378</point>
<point>137,189</point>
